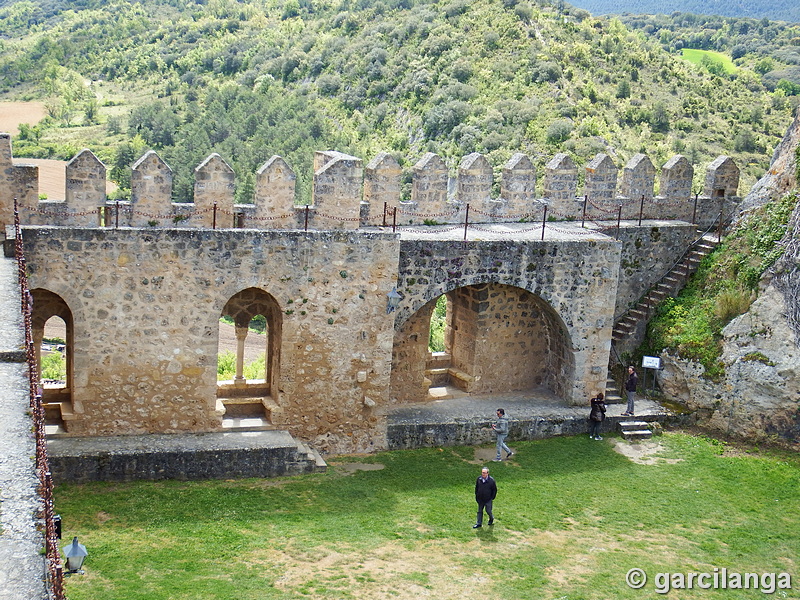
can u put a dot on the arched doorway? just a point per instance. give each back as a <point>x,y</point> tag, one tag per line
<point>497,338</point>
<point>251,390</point>
<point>52,328</point>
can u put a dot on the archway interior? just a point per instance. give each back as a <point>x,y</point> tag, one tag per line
<point>493,338</point>
<point>52,329</point>
<point>256,321</point>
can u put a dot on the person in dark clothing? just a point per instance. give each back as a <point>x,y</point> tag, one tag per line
<point>630,389</point>
<point>596,416</point>
<point>485,492</point>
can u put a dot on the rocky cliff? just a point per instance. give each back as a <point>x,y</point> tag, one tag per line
<point>759,396</point>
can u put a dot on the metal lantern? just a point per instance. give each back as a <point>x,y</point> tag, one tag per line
<point>392,300</point>
<point>75,554</point>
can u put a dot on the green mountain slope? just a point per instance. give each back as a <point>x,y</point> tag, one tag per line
<point>755,9</point>
<point>251,79</point>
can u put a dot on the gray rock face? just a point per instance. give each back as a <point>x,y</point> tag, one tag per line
<point>759,396</point>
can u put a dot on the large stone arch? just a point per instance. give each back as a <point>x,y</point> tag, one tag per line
<point>498,338</point>
<point>259,397</point>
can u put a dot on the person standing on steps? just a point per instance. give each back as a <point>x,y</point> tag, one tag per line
<point>630,390</point>
<point>500,428</point>
<point>596,416</point>
<point>485,492</point>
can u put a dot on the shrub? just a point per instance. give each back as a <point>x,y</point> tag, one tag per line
<point>558,131</point>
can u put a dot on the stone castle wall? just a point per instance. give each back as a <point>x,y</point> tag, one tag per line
<point>146,307</point>
<point>347,195</point>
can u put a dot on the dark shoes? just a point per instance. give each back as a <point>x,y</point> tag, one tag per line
<point>477,526</point>
<point>509,455</point>
<point>491,522</point>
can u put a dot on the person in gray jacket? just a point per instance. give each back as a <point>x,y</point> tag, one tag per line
<point>500,428</point>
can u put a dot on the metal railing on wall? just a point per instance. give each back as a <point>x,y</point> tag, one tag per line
<point>45,488</point>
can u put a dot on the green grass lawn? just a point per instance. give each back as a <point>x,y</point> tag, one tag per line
<point>573,516</point>
<point>698,57</point>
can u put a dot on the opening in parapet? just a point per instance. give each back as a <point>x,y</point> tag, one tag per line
<point>52,327</point>
<point>482,339</point>
<point>248,373</point>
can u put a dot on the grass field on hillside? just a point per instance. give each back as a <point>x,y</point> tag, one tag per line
<point>701,57</point>
<point>574,516</point>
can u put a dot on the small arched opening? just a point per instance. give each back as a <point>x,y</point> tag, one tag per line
<point>248,359</point>
<point>53,334</point>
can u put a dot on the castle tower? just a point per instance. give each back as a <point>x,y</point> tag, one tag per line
<point>16,181</point>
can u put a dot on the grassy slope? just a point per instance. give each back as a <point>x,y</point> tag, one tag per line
<point>450,77</point>
<point>573,517</point>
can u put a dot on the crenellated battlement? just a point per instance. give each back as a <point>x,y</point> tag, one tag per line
<point>348,195</point>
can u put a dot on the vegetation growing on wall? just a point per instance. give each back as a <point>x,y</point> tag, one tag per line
<point>723,288</point>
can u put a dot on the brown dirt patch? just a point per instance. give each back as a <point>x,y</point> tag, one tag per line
<point>12,114</point>
<point>643,453</point>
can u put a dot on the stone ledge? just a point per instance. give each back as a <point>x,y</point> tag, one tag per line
<point>217,455</point>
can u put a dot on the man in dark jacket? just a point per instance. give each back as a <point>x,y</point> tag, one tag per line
<point>485,492</point>
<point>630,390</point>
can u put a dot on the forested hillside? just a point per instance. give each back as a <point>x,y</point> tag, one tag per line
<point>254,78</point>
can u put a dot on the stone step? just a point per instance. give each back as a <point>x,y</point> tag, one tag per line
<point>637,435</point>
<point>231,423</point>
<point>633,425</point>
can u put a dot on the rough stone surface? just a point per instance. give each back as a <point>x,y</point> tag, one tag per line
<point>759,396</point>
<point>22,565</point>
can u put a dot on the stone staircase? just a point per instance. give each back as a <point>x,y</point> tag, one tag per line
<point>612,393</point>
<point>630,329</point>
<point>635,431</point>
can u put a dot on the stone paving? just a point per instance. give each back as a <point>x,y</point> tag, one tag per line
<point>22,566</point>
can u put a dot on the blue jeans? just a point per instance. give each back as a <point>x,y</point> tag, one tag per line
<point>501,444</point>
<point>631,398</point>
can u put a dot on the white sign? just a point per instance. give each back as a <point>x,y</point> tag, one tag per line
<point>651,362</point>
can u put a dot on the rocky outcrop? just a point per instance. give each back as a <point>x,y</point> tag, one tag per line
<point>759,396</point>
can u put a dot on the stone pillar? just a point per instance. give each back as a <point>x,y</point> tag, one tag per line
<point>638,178</point>
<point>214,181</point>
<point>474,184</point>
<point>86,189</point>
<point>151,191</point>
<point>601,181</point>
<point>429,189</point>
<point>675,184</point>
<point>382,180</point>
<point>274,196</point>
<point>722,178</point>
<point>241,337</point>
<point>337,190</point>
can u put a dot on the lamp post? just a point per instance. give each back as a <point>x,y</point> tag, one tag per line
<point>75,554</point>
